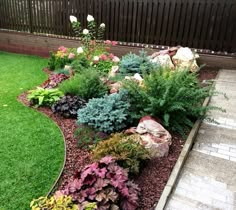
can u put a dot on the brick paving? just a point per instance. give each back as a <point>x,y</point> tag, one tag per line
<point>208,178</point>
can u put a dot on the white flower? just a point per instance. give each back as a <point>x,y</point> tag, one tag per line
<point>116,59</point>
<point>96,58</point>
<point>80,50</point>
<point>102,25</point>
<point>73,19</point>
<point>85,31</point>
<point>90,18</point>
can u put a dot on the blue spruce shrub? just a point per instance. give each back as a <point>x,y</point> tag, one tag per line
<point>132,63</point>
<point>107,114</point>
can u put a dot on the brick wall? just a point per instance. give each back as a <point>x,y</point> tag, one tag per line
<point>27,43</point>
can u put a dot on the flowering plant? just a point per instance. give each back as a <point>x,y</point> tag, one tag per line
<point>104,183</point>
<point>105,61</point>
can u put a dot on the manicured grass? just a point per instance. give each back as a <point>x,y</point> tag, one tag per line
<point>31,145</point>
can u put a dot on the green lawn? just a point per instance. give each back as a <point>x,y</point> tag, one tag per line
<point>31,145</point>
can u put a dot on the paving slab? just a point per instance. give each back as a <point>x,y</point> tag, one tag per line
<point>208,178</point>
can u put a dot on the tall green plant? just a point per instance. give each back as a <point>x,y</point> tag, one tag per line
<point>175,97</point>
<point>86,85</point>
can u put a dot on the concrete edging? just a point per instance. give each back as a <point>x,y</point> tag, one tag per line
<point>181,160</point>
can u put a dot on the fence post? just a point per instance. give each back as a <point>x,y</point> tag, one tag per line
<point>30,16</point>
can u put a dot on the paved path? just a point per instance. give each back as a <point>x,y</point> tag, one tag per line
<point>208,178</point>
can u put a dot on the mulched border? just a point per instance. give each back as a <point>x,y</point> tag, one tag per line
<point>153,177</point>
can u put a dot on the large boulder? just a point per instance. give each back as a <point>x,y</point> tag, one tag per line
<point>154,137</point>
<point>185,58</point>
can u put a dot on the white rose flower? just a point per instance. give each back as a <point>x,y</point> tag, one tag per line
<point>80,50</point>
<point>73,19</point>
<point>85,31</point>
<point>96,58</point>
<point>102,25</point>
<point>90,18</point>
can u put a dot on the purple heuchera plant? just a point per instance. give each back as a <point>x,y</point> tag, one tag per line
<point>54,80</point>
<point>105,183</point>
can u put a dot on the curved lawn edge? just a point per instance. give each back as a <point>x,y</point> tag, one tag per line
<point>62,134</point>
<point>32,150</point>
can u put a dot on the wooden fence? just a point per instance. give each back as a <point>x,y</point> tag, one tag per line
<point>202,24</point>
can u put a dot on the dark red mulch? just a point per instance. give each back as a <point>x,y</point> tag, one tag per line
<point>154,175</point>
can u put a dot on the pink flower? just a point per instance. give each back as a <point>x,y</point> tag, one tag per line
<point>114,43</point>
<point>107,42</point>
<point>116,59</point>
<point>111,56</point>
<point>71,55</point>
<point>103,57</point>
<point>62,49</point>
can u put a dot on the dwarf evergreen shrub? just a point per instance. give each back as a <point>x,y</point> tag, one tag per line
<point>107,114</point>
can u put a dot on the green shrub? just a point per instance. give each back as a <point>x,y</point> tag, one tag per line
<point>128,153</point>
<point>174,97</point>
<point>86,85</point>
<point>80,64</point>
<point>132,63</point>
<point>88,137</point>
<point>42,96</point>
<point>107,114</point>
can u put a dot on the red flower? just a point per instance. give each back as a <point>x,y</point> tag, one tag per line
<point>111,56</point>
<point>103,57</point>
<point>114,43</point>
<point>62,49</point>
<point>107,42</point>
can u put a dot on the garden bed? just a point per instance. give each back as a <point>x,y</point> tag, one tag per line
<point>154,175</point>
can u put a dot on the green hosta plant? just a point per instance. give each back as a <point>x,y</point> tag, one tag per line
<point>107,114</point>
<point>41,96</point>
<point>125,149</point>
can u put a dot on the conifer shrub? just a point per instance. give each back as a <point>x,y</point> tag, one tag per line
<point>175,97</point>
<point>126,150</point>
<point>86,85</point>
<point>132,63</point>
<point>107,114</point>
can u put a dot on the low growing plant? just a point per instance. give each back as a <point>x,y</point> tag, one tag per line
<point>174,97</point>
<point>131,64</point>
<point>68,106</point>
<point>41,96</point>
<point>106,184</point>
<point>107,114</point>
<point>86,85</point>
<point>54,80</point>
<point>87,137</point>
<point>60,203</point>
<point>126,150</point>
<point>53,203</point>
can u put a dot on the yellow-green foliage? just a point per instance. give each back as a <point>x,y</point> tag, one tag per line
<point>61,203</point>
<point>126,149</point>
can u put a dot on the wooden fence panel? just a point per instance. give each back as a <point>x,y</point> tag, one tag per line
<point>204,24</point>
